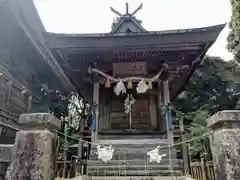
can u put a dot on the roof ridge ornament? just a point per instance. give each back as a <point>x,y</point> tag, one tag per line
<point>127,11</point>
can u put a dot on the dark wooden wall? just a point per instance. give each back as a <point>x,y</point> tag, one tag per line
<point>13,98</point>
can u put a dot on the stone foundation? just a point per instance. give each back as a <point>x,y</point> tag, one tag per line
<point>225,144</point>
<point>35,148</point>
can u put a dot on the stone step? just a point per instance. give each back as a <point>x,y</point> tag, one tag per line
<point>132,172</point>
<point>136,178</point>
<point>122,135</point>
<point>142,141</point>
<point>129,152</point>
<point>131,178</point>
<point>131,156</point>
<point>128,167</point>
<point>132,162</point>
<point>141,149</point>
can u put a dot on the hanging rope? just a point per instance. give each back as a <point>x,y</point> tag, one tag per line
<point>159,147</point>
<point>133,78</point>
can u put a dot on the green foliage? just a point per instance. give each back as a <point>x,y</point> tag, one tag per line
<point>234,35</point>
<point>213,87</point>
<point>67,106</point>
<point>214,84</point>
<point>52,100</point>
<point>198,128</point>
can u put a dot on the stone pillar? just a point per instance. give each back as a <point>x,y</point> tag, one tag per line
<point>35,148</point>
<point>225,144</point>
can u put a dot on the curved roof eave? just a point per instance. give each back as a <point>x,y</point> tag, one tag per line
<point>84,42</point>
<point>28,19</point>
<point>217,28</point>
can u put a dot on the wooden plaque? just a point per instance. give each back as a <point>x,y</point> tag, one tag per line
<point>129,68</point>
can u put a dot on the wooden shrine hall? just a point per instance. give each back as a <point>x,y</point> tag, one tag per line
<point>129,51</point>
<point>129,75</point>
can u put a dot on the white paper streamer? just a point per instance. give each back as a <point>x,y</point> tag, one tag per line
<point>120,88</point>
<point>142,87</point>
<point>128,102</point>
<point>105,153</point>
<point>154,155</point>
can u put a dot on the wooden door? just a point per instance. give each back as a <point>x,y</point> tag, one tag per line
<point>140,115</point>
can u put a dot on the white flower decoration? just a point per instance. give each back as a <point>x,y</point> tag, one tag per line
<point>105,153</point>
<point>154,155</point>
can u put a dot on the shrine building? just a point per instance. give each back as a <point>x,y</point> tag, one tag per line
<point>129,75</point>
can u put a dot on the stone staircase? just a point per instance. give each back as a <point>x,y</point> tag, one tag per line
<point>130,157</point>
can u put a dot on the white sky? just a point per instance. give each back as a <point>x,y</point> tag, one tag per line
<point>94,16</point>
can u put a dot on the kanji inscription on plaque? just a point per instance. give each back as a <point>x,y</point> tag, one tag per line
<point>129,68</point>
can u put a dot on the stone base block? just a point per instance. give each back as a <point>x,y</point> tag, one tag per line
<point>34,155</point>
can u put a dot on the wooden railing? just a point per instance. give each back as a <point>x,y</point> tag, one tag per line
<point>71,169</point>
<point>202,171</point>
<point>60,169</point>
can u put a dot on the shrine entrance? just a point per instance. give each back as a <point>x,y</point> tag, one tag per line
<point>137,119</point>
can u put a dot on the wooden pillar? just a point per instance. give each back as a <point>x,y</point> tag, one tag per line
<point>2,91</point>
<point>29,104</point>
<point>80,147</point>
<point>96,104</point>
<point>161,122</point>
<point>8,93</point>
<point>153,111</point>
<point>0,131</point>
<point>169,131</point>
<point>103,111</point>
<point>184,149</point>
<point>166,102</point>
<point>106,124</point>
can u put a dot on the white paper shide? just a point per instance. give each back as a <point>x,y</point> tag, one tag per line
<point>120,88</point>
<point>154,155</point>
<point>105,153</point>
<point>142,87</point>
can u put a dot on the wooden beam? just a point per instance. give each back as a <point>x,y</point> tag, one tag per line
<point>138,9</point>
<point>115,12</point>
<point>135,48</point>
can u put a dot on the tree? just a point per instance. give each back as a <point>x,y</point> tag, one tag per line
<point>234,35</point>
<point>212,83</point>
<point>198,128</point>
<point>69,107</point>
<point>213,87</point>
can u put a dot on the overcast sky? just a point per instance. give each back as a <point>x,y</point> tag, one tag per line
<point>94,16</point>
